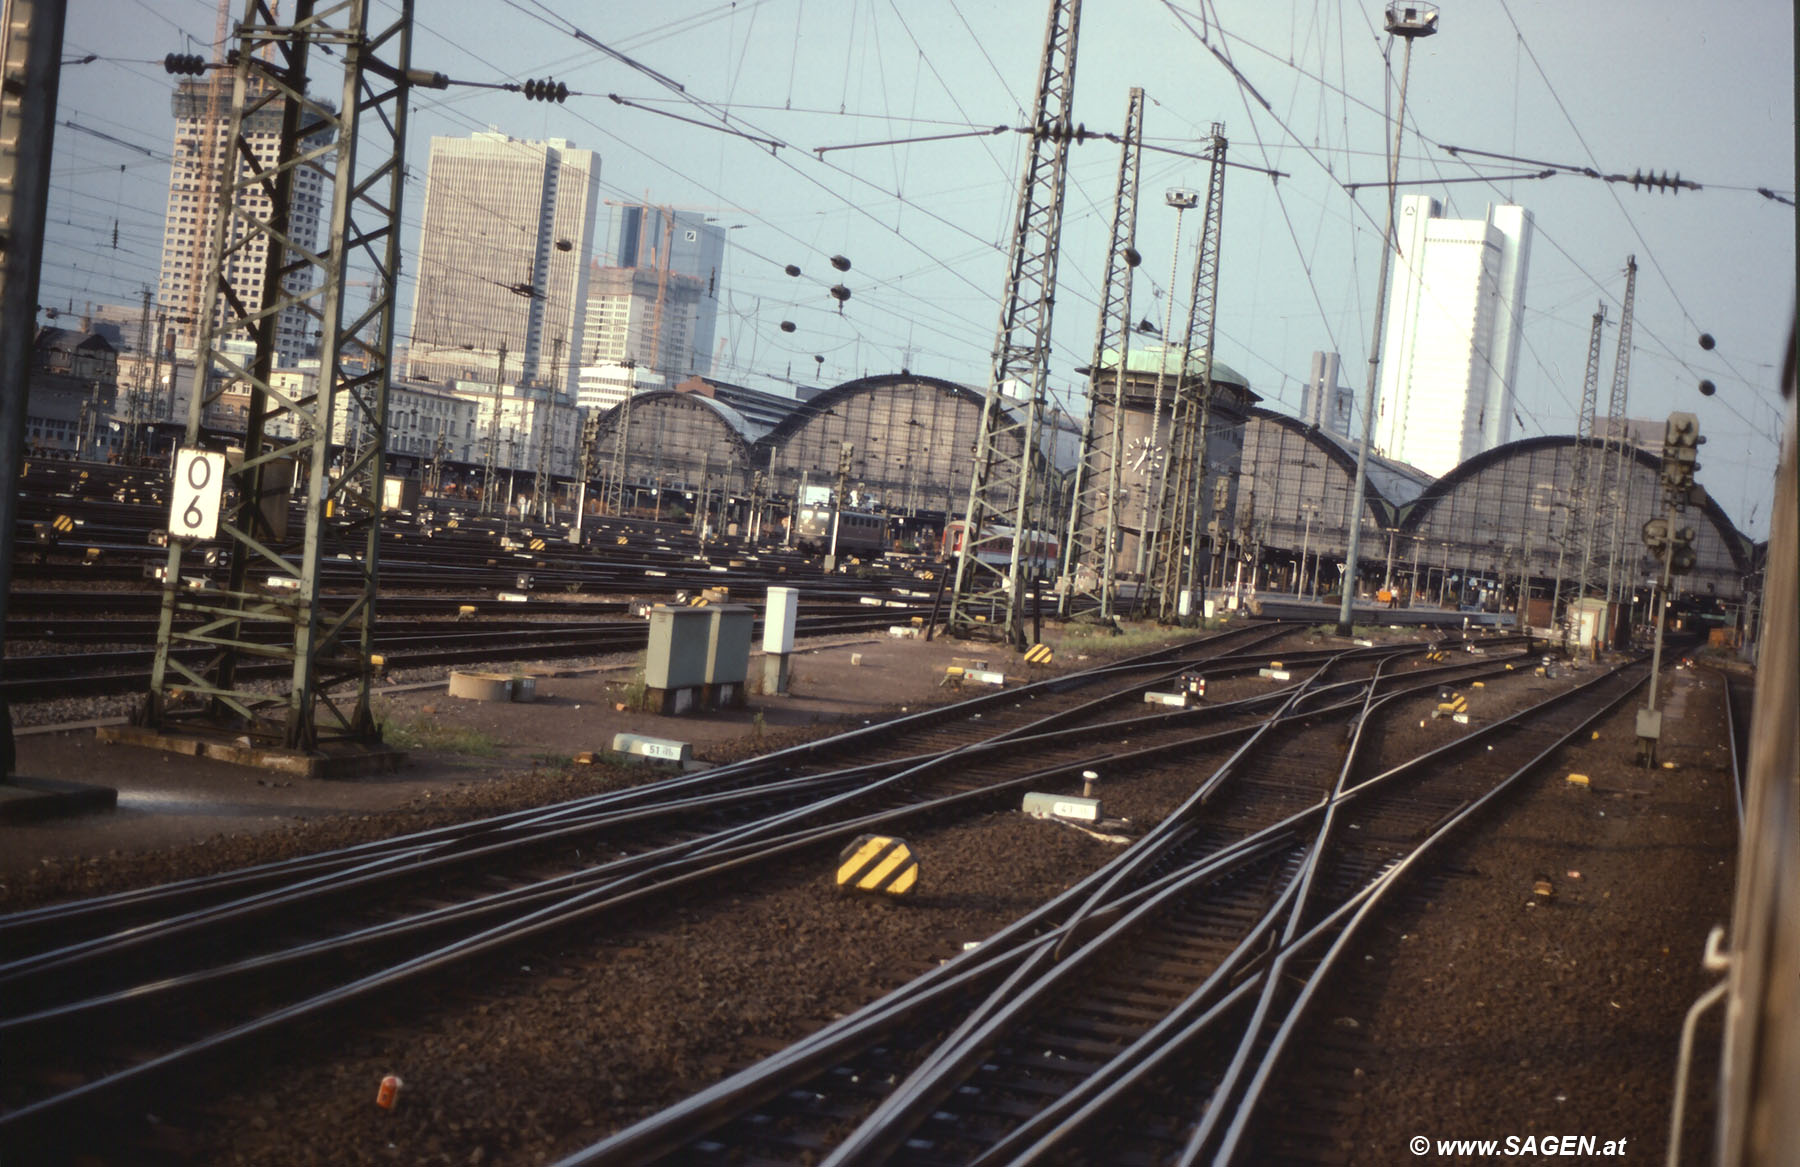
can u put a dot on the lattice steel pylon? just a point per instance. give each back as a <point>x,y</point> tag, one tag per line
<point>323,642</point>
<point>988,599</point>
<point>614,498</point>
<point>1176,549</point>
<point>1092,541</point>
<point>1618,464</point>
<point>1580,516</point>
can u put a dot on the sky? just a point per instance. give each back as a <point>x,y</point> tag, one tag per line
<point>1304,88</point>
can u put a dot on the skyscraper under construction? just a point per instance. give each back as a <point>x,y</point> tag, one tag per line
<point>202,129</point>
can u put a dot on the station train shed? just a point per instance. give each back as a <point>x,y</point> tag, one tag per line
<point>903,443</point>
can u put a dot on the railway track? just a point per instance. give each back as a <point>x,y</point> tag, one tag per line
<point>82,617</point>
<point>1141,1016</point>
<point>106,996</point>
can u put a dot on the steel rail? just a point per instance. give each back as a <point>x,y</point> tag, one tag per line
<point>1231,1142</point>
<point>530,924</point>
<point>580,906</point>
<point>900,1112</point>
<point>1077,897</point>
<point>759,768</point>
<point>1141,1061</point>
<point>1049,1133</point>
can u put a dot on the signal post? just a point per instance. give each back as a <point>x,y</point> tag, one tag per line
<point>1671,541</point>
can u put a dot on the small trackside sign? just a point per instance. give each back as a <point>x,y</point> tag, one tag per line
<point>655,748</point>
<point>198,487</point>
<point>879,864</point>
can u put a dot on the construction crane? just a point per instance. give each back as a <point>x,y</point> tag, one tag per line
<point>667,214</point>
<point>1175,551</point>
<point>662,290</point>
<point>1092,541</point>
<point>987,598</point>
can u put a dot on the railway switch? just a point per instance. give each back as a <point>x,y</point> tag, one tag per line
<point>878,864</point>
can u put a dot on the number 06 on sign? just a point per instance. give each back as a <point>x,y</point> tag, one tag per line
<point>198,487</point>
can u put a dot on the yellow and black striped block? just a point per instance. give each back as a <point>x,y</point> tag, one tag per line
<point>538,544</point>
<point>63,523</point>
<point>878,864</point>
<point>1038,654</point>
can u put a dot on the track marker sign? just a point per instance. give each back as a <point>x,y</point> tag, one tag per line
<point>198,489</point>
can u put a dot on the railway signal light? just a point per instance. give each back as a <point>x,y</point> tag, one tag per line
<point>184,64</point>
<point>1671,541</point>
<point>1681,441</point>
<point>545,90</point>
<point>1681,550</point>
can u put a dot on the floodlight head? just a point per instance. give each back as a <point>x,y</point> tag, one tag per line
<point>1181,198</point>
<point>1411,20</point>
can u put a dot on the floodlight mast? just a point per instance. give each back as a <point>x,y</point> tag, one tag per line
<point>1409,21</point>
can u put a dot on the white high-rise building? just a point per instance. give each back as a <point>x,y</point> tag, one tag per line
<point>1451,344</point>
<point>654,299</point>
<point>503,261</point>
<point>201,131</point>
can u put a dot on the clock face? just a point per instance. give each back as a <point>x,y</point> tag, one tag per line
<point>1144,456</point>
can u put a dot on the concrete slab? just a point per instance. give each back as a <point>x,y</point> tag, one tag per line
<point>340,760</point>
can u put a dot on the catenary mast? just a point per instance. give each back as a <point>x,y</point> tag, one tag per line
<point>988,599</point>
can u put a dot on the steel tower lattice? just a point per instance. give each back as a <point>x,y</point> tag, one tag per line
<point>273,582</point>
<point>1582,508</point>
<point>1092,542</point>
<point>989,598</point>
<point>1618,463</point>
<point>1176,548</point>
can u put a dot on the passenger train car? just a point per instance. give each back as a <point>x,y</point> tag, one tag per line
<point>1041,550</point>
<point>858,531</point>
